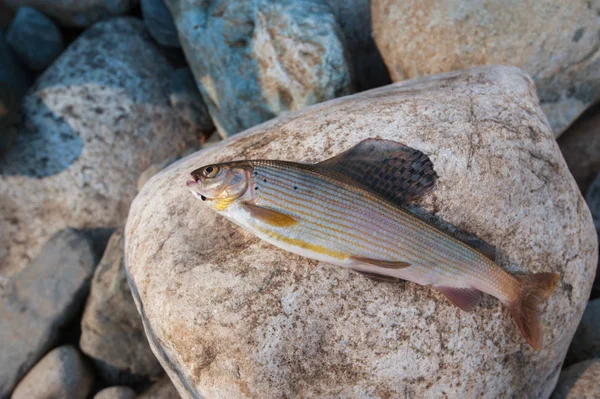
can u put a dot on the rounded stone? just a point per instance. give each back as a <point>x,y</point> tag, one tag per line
<point>586,342</point>
<point>159,22</point>
<point>579,381</point>
<point>34,38</point>
<point>229,315</point>
<point>419,39</point>
<point>62,373</point>
<point>118,392</point>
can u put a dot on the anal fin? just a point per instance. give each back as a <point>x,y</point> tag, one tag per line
<point>378,277</point>
<point>387,264</point>
<point>270,216</point>
<point>465,298</point>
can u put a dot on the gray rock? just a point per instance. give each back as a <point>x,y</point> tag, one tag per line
<point>97,118</point>
<point>111,329</point>
<point>580,145</point>
<point>163,389</point>
<point>579,381</point>
<point>34,38</point>
<point>62,373</point>
<point>417,39</point>
<point>116,393</point>
<point>12,72</point>
<point>187,101</point>
<point>76,13</point>
<point>9,117</point>
<point>159,22</point>
<point>229,315</point>
<point>41,299</point>
<point>586,342</point>
<point>354,16</point>
<point>254,60</point>
<point>592,198</point>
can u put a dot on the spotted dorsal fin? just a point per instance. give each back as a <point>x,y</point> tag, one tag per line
<point>397,172</point>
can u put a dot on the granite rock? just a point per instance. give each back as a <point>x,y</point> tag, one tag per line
<point>62,373</point>
<point>117,392</point>
<point>94,120</point>
<point>12,72</point>
<point>34,38</point>
<point>229,315</point>
<point>163,389</point>
<point>579,381</point>
<point>187,101</point>
<point>41,299</point>
<point>159,22</point>
<point>254,60</point>
<point>417,39</point>
<point>76,13</point>
<point>592,197</point>
<point>112,334</point>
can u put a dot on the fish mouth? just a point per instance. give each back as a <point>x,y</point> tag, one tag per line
<point>193,186</point>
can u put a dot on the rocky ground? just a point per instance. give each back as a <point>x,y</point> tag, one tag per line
<point>96,97</point>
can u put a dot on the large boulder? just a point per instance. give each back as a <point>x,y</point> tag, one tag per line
<point>39,301</point>
<point>229,315</point>
<point>95,119</point>
<point>111,329</point>
<point>417,39</point>
<point>254,60</point>
<point>62,373</point>
<point>76,13</point>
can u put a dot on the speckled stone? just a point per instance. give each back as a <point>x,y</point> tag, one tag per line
<point>97,118</point>
<point>579,381</point>
<point>187,101</point>
<point>62,373</point>
<point>419,39</point>
<point>256,59</point>
<point>40,300</point>
<point>76,13</point>
<point>163,389</point>
<point>159,22</point>
<point>229,315</point>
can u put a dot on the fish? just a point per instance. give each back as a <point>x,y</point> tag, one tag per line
<point>350,211</point>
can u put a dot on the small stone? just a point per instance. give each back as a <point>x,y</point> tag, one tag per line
<point>119,392</point>
<point>187,102</point>
<point>256,59</point>
<point>580,145</point>
<point>586,341</point>
<point>9,117</point>
<point>76,13</point>
<point>34,38</point>
<point>159,22</point>
<point>420,39</point>
<point>229,315</point>
<point>41,299</point>
<point>579,381</point>
<point>164,389</point>
<point>12,72</point>
<point>112,333</point>
<point>62,373</point>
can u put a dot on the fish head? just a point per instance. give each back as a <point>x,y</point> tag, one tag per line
<point>220,184</point>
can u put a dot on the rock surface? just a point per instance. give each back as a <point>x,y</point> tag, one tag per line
<point>89,129</point>
<point>62,373</point>
<point>111,329</point>
<point>163,389</point>
<point>187,101</point>
<point>592,197</point>
<point>579,381</point>
<point>254,60</point>
<point>580,146</point>
<point>37,302</point>
<point>417,40</point>
<point>354,16</point>
<point>586,342</point>
<point>159,22</point>
<point>116,393</point>
<point>12,72</point>
<point>9,117</point>
<point>231,316</point>
<point>34,38</point>
<point>76,13</point>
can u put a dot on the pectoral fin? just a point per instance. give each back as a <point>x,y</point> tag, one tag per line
<point>387,264</point>
<point>378,277</point>
<point>465,298</point>
<point>270,216</point>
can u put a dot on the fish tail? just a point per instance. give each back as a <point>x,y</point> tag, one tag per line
<point>534,289</point>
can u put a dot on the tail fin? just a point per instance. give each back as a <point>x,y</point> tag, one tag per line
<point>535,289</point>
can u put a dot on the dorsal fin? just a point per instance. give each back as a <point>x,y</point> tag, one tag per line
<point>397,172</point>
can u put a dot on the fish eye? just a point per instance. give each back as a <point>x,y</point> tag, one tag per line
<point>210,171</point>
